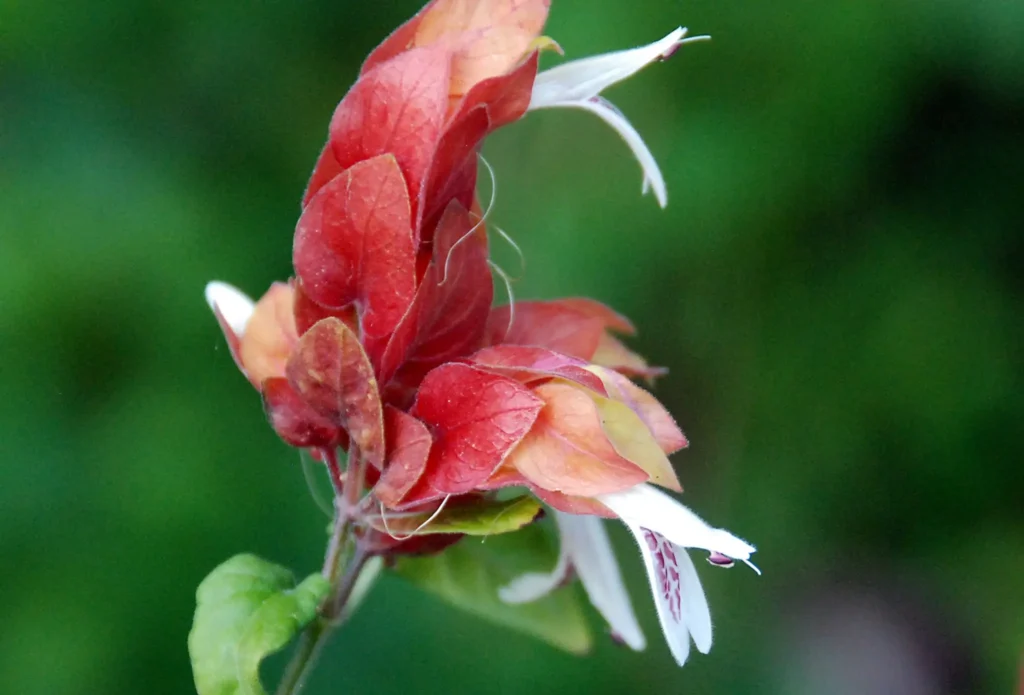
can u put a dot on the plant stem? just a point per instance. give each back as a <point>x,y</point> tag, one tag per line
<point>313,639</point>
<point>335,607</point>
<point>335,556</point>
<point>315,636</point>
<point>341,574</point>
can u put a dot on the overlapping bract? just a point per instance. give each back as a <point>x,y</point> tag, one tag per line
<point>386,340</point>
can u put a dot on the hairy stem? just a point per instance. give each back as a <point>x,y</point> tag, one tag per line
<point>335,607</point>
<point>341,569</point>
<point>315,636</point>
<point>310,643</point>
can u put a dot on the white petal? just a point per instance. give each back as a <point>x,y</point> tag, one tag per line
<point>662,560</point>
<point>579,80</point>
<point>646,506</point>
<point>234,305</point>
<point>536,585</point>
<point>585,547</point>
<point>592,556</point>
<point>604,110</point>
<point>695,603</point>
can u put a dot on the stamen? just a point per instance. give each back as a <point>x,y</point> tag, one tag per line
<point>679,44</point>
<point>487,212</point>
<point>511,295</point>
<point>752,566</point>
<point>519,252</point>
<point>419,528</point>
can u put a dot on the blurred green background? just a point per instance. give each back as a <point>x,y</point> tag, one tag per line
<point>836,286</point>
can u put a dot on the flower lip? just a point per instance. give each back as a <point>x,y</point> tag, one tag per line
<point>234,306</point>
<point>579,83</point>
<point>647,507</point>
<point>679,598</point>
<point>654,180</point>
<point>585,78</point>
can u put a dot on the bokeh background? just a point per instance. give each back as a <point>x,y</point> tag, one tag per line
<point>836,286</point>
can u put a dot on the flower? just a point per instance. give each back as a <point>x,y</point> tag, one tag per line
<point>579,83</point>
<point>385,342</point>
<point>664,529</point>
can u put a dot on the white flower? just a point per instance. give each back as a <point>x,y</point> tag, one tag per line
<point>233,306</point>
<point>579,83</point>
<point>664,530</point>
<point>585,549</point>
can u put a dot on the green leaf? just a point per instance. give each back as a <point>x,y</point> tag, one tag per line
<point>246,609</point>
<point>468,576</point>
<point>471,515</point>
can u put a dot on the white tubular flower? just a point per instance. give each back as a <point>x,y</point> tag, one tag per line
<point>579,83</point>
<point>664,529</point>
<point>585,548</point>
<point>233,306</point>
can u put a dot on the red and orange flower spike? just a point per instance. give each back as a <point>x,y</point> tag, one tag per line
<point>386,343</point>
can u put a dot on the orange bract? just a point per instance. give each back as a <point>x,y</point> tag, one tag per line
<point>269,336</point>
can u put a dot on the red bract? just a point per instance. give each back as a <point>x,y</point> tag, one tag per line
<point>489,105</point>
<point>530,364</point>
<point>408,446</point>
<point>294,420</point>
<point>397,108</point>
<point>568,451</point>
<point>402,150</point>
<point>430,94</point>
<point>576,326</point>
<point>476,418</point>
<point>307,312</point>
<point>487,37</point>
<point>353,245</point>
<point>331,373</point>
<point>446,319</point>
<point>607,428</point>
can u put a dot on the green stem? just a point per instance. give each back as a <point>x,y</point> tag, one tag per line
<point>312,641</point>
<point>315,636</point>
<point>334,559</point>
<point>341,574</point>
<point>335,606</point>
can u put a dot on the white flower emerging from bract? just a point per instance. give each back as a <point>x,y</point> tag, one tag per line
<point>233,306</point>
<point>663,529</point>
<point>586,549</point>
<point>579,83</point>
